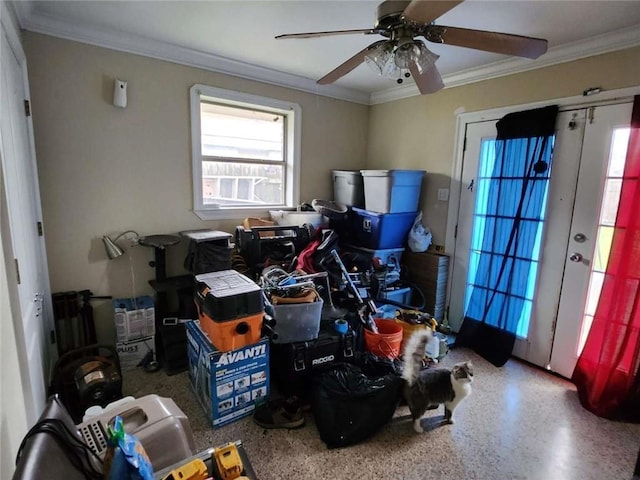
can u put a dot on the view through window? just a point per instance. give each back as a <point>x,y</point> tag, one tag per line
<point>246,152</point>
<point>242,155</point>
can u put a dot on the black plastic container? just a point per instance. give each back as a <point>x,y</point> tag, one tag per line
<point>293,365</point>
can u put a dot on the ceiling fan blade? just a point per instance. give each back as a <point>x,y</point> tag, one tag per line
<point>346,67</point>
<point>425,11</point>
<point>505,43</point>
<point>428,81</point>
<point>325,34</point>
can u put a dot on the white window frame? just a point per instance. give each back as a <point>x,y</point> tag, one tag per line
<point>293,114</point>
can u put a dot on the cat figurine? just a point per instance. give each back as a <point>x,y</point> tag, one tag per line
<point>427,389</point>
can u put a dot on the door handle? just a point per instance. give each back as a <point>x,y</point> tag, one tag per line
<point>576,257</point>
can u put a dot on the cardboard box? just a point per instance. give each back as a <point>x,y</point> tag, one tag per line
<point>131,353</point>
<point>226,384</point>
<point>429,271</point>
<point>134,318</point>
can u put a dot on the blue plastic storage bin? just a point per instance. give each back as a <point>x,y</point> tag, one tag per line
<point>398,295</point>
<point>387,256</point>
<point>381,230</point>
<point>392,191</point>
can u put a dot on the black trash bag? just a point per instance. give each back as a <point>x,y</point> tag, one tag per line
<point>351,402</point>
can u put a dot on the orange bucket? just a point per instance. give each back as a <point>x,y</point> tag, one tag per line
<point>386,343</point>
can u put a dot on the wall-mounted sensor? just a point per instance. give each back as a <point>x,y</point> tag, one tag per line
<point>120,93</point>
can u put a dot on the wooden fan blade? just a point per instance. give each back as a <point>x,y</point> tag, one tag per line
<point>324,34</point>
<point>505,43</point>
<point>346,67</point>
<point>429,81</point>
<point>425,11</point>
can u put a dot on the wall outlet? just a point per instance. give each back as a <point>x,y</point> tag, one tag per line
<point>443,194</point>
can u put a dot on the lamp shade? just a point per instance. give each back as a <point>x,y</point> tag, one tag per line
<point>113,250</point>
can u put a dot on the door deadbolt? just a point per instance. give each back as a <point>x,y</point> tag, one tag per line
<point>580,237</point>
<point>575,257</point>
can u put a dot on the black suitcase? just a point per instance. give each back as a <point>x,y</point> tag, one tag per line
<point>292,365</point>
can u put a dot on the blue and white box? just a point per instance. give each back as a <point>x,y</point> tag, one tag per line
<point>227,384</point>
<point>134,318</point>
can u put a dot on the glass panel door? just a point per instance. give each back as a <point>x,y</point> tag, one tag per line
<point>601,168</point>
<point>572,241</point>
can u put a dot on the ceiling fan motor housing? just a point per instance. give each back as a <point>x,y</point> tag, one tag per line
<point>389,13</point>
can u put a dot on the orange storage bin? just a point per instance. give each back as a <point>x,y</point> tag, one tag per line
<point>232,334</point>
<point>230,309</point>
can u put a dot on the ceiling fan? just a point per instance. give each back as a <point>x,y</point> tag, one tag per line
<point>404,54</point>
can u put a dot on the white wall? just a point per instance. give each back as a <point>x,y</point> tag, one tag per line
<point>103,169</point>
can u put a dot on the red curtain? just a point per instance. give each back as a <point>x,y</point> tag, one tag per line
<point>607,372</point>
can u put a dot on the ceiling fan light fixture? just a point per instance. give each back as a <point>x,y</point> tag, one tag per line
<point>378,58</point>
<point>425,59</point>
<point>405,54</point>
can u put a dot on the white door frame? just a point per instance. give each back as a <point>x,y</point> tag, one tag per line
<point>604,98</point>
<point>30,401</point>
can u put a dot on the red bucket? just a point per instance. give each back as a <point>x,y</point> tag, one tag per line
<point>386,343</point>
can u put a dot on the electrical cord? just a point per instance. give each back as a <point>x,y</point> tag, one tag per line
<point>78,452</point>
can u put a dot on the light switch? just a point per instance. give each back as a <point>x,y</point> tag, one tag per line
<point>443,194</point>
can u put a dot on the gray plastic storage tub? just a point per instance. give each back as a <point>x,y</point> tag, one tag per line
<point>297,322</point>
<point>348,187</point>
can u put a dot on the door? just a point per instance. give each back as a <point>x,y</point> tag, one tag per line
<point>601,168</point>
<point>548,335</point>
<point>24,228</point>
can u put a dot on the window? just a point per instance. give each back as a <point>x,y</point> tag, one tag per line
<point>606,227</point>
<point>246,152</point>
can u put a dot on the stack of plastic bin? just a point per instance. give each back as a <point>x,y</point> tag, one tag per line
<point>381,228</point>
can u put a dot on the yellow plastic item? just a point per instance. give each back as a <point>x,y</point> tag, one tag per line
<point>228,461</point>
<point>409,328</point>
<point>194,470</point>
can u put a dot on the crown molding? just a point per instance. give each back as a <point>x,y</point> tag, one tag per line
<point>624,38</point>
<point>39,23</point>
<point>138,45</point>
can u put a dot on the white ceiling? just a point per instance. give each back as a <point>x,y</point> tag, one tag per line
<point>237,37</point>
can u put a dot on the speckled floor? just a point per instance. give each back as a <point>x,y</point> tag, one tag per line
<point>519,423</point>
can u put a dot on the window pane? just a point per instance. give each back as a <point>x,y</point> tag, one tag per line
<point>606,228</point>
<point>584,331</point>
<point>226,183</point>
<point>595,287</point>
<point>603,247</point>
<point>232,132</point>
<point>610,201</point>
<point>618,152</point>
